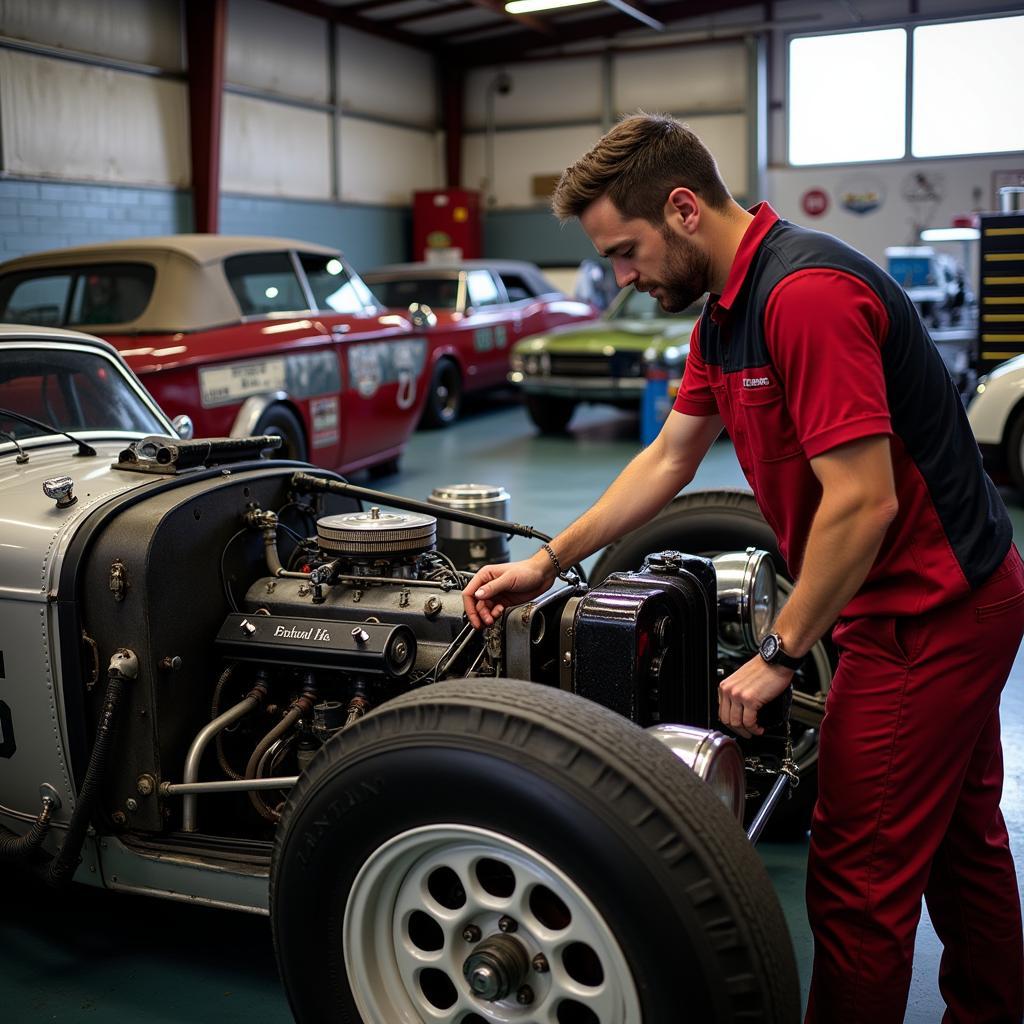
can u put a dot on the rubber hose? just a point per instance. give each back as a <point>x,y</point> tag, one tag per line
<point>15,848</point>
<point>64,864</point>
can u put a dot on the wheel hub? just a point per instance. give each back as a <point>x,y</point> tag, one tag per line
<point>497,967</point>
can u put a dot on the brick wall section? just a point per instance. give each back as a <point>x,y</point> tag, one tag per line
<point>38,215</point>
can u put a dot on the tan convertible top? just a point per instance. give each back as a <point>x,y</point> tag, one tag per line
<point>191,292</point>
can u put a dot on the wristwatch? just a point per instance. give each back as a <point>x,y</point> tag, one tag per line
<point>772,652</point>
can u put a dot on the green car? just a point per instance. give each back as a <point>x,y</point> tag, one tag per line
<point>607,360</point>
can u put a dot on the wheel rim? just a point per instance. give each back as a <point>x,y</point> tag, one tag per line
<point>446,395</point>
<point>433,905</point>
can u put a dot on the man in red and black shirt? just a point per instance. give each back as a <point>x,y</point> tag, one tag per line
<point>858,451</point>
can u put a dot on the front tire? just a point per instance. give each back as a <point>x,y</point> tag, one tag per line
<point>550,415</point>
<point>706,523</point>
<point>444,399</point>
<point>522,819</point>
<point>280,421</point>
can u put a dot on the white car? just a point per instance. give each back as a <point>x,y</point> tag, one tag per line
<point>996,415</point>
<point>224,681</point>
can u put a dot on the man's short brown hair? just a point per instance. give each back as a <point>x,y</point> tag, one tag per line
<point>637,164</point>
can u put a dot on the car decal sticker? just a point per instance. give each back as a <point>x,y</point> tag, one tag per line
<point>375,363</point>
<point>300,375</point>
<point>486,339</point>
<point>323,415</point>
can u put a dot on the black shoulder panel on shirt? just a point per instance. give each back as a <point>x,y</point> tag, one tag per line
<point>925,409</point>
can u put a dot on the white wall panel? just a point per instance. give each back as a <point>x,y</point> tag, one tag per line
<point>681,79</point>
<point>519,155</point>
<point>384,164</point>
<point>959,186</point>
<point>143,31</point>
<point>546,91</point>
<point>726,136</point>
<point>273,149</point>
<point>377,76</point>
<point>283,51</point>
<point>74,121</point>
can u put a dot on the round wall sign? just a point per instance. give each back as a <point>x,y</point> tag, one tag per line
<point>814,202</point>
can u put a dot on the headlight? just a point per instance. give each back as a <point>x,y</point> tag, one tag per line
<point>532,364</point>
<point>516,362</point>
<point>746,597</point>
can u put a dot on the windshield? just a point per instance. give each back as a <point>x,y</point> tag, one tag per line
<point>100,293</point>
<point>402,292</point>
<point>634,305</point>
<point>70,390</point>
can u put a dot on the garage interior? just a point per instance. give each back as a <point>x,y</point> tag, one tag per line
<point>319,121</point>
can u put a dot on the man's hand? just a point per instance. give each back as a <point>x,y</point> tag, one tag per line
<point>496,586</point>
<point>747,690</point>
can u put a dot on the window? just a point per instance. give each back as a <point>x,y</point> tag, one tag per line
<point>516,287</point>
<point>848,92</point>
<point>403,292</point>
<point>482,289</point>
<point>70,390</point>
<point>265,283</point>
<point>332,287</point>
<point>847,97</point>
<point>965,77</point>
<point>113,293</point>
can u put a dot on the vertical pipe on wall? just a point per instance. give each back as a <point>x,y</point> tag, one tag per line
<point>757,116</point>
<point>453,80</point>
<point>332,98</point>
<point>204,35</point>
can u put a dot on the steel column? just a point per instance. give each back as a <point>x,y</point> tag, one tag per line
<point>205,24</point>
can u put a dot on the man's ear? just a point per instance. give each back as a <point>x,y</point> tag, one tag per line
<point>683,209</point>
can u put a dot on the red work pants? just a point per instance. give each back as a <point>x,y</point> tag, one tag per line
<point>911,775</point>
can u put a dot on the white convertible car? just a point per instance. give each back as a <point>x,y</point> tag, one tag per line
<point>225,681</point>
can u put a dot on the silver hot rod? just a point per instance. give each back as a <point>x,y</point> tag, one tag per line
<point>248,683</point>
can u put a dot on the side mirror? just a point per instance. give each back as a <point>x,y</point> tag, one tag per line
<point>183,427</point>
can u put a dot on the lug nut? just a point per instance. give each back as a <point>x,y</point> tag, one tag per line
<point>471,933</point>
<point>540,963</point>
<point>524,996</point>
<point>507,925</point>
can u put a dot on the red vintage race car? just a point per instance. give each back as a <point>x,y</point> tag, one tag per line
<point>242,336</point>
<point>477,310</point>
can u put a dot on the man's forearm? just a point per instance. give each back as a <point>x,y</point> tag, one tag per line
<point>640,491</point>
<point>842,545</point>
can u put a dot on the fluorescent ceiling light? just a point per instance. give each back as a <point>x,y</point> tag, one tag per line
<point>529,6</point>
<point>950,234</point>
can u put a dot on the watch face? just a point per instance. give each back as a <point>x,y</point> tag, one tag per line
<point>769,647</point>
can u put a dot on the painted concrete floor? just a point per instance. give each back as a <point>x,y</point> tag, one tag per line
<point>89,957</point>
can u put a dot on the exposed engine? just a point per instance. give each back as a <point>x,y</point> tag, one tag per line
<point>326,609</point>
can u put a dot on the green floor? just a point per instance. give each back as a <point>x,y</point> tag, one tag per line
<point>89,956</point>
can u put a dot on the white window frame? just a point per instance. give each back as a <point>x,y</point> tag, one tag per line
<point>908,25</point>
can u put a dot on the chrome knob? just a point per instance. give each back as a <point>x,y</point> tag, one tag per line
<point>59,488</point>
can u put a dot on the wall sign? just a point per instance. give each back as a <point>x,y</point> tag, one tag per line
<point>814,202</point>
<point>861,195</point>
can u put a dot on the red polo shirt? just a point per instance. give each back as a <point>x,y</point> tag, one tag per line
<point>824,386</point>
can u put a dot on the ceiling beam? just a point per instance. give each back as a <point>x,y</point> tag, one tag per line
<point>338,16</point>
<point>434,12</point>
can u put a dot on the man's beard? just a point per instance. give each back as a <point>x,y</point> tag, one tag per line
<point>684,277</point>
